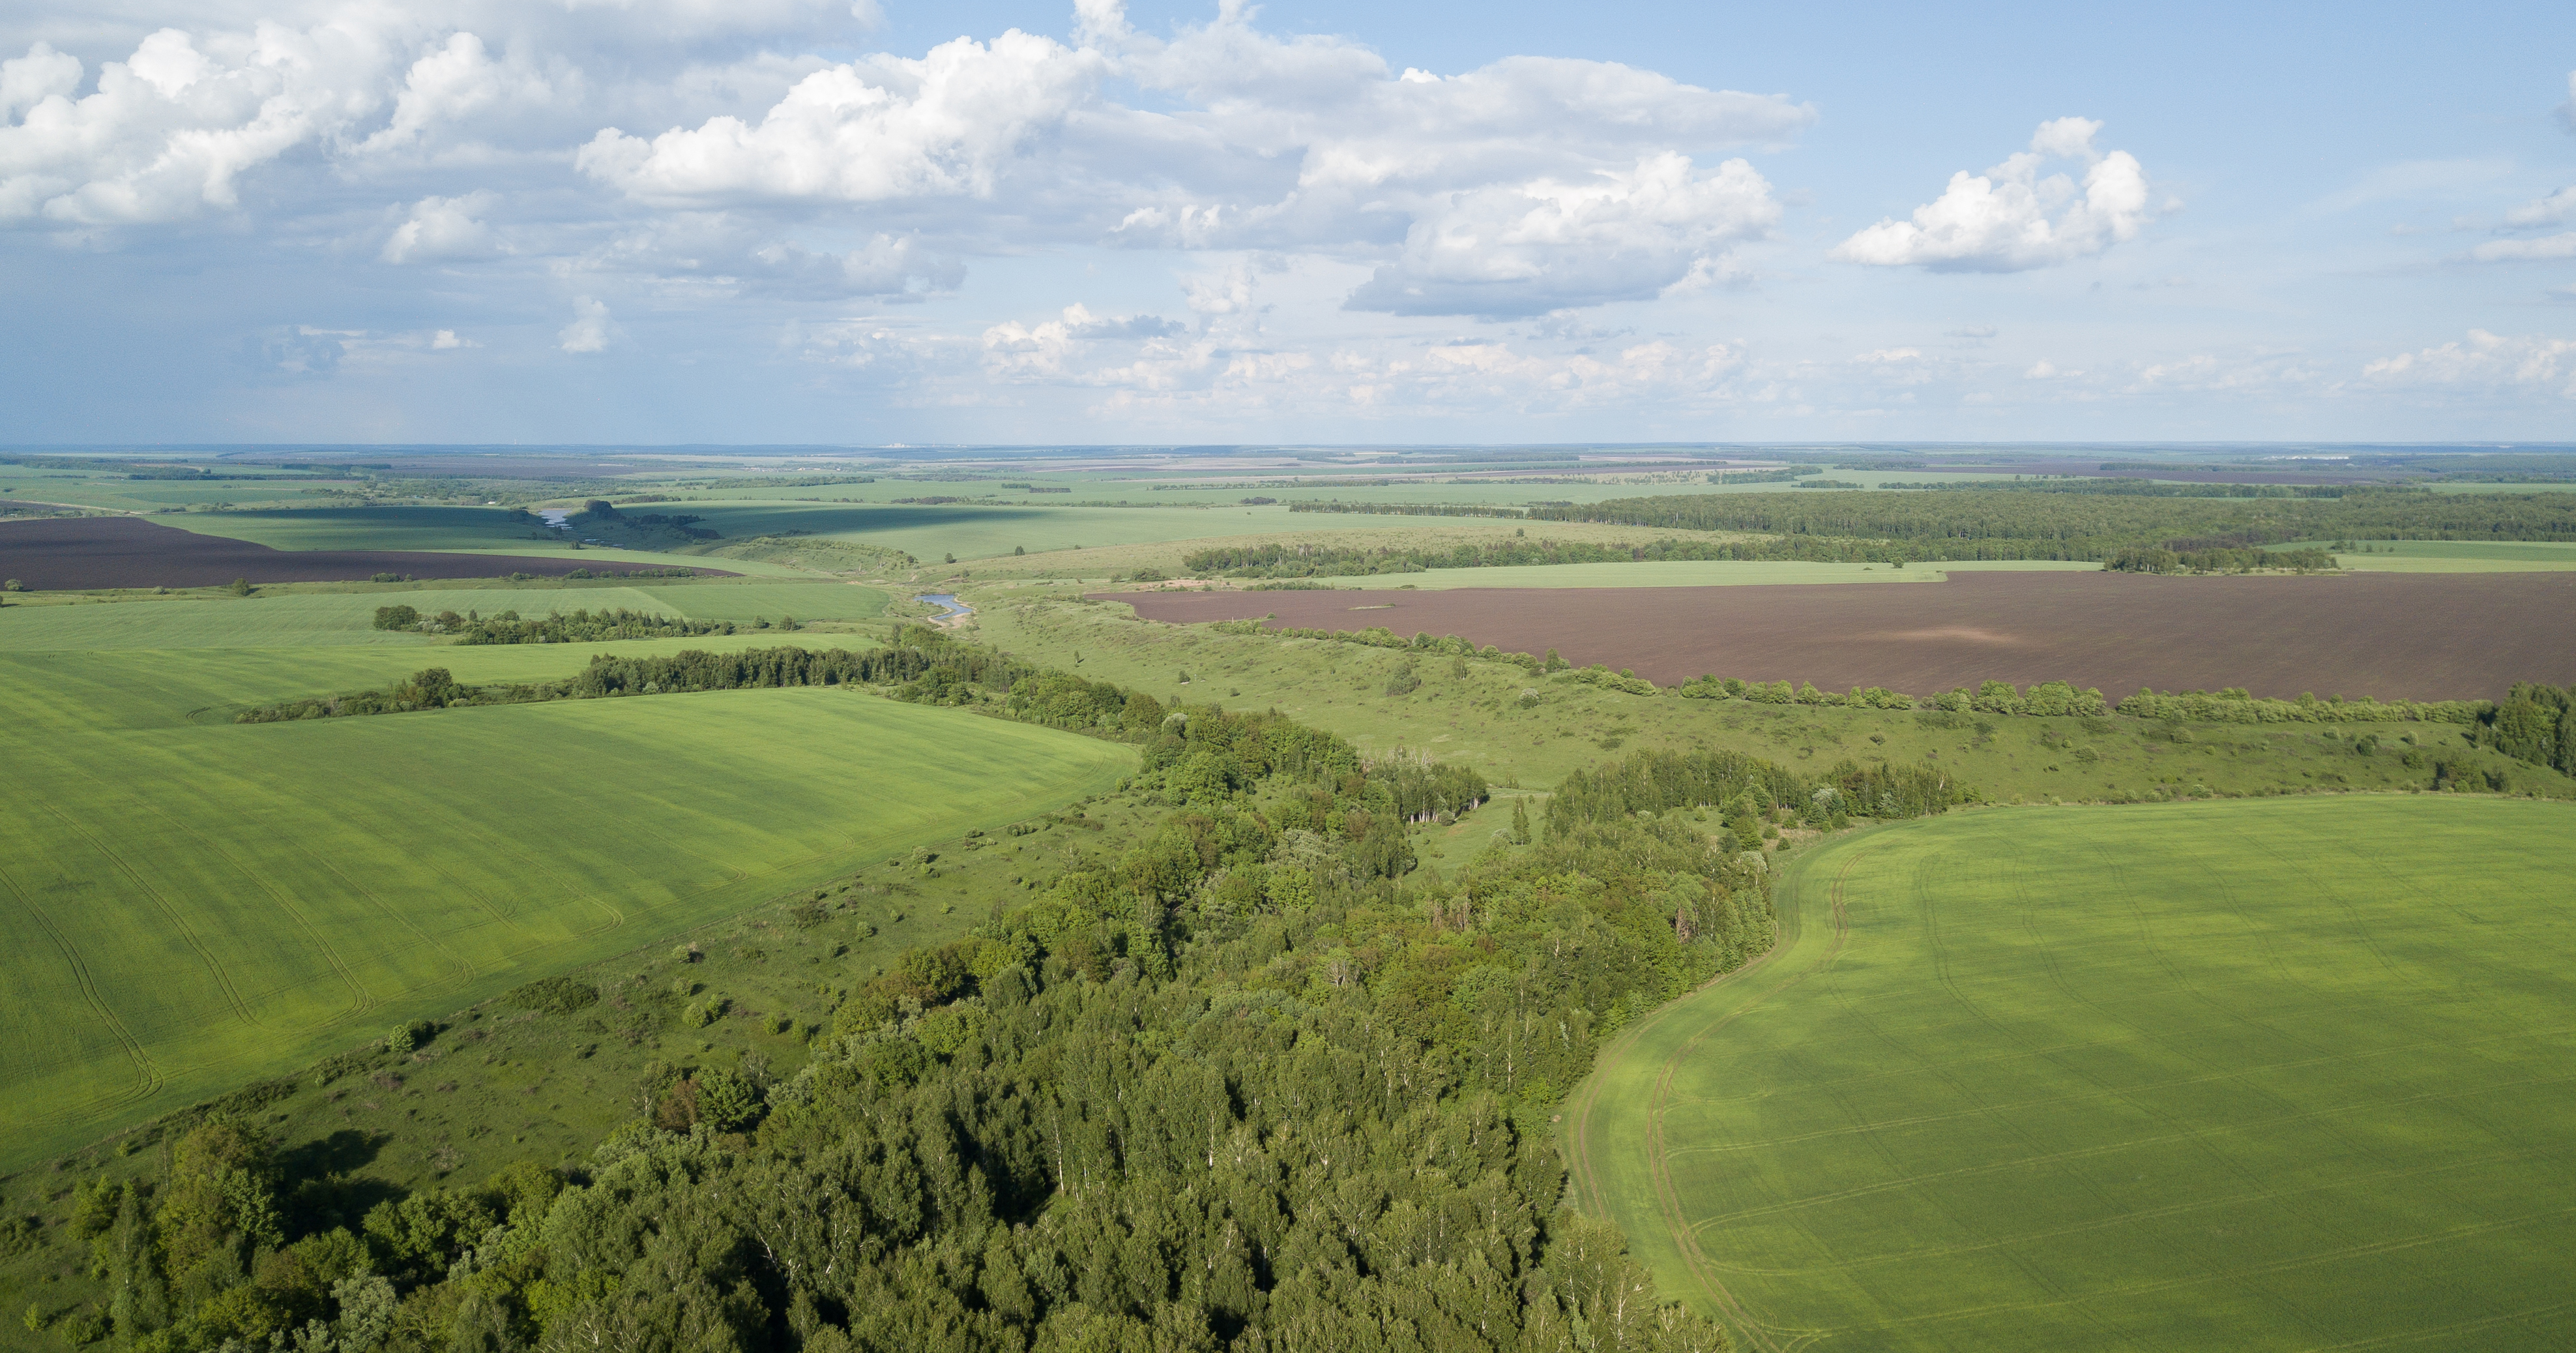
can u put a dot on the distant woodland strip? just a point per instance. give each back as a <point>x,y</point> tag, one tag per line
<point>2088,520</point>
<point>2065,524</point>
<point>1275,561</point>
<point>933,669</point>
<point>582,626</point>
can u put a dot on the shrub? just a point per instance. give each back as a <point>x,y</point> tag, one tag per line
<point>553,996</point>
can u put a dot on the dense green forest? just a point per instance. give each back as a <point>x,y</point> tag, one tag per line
<point>1329,561</point>
<point>2002,524</point>
<point>1256,1082</point>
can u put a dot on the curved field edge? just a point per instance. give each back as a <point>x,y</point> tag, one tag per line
<point>209,905</point>
<point>1612,1157</point>
<point>2341,1117</point>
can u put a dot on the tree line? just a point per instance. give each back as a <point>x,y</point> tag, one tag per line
<point>582,626</point>
<point>1749,789</point>
<point>2002,524</point>
<point>921,665</point>
<point>1255,1082</point>
<point>2218,559</point>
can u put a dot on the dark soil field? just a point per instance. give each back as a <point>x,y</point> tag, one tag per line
<point>64,553</point>
<point>2391,636</point>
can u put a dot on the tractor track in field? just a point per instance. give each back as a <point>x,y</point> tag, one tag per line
<point>1678,1229</point>
<point>148,1076</point>
<point>178,920</point>
<point>360,1001</point>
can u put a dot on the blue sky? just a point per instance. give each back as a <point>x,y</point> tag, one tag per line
<point>799,220</point>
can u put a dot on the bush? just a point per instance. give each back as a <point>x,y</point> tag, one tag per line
<point>553,996</point>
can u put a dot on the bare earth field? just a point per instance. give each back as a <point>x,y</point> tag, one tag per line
<point>83,552</point>
<point>2390,636</point>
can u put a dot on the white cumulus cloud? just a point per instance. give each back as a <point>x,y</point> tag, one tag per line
<point>2011,218</point>
<point>1527,248</point>
<point>454,82</point>
<point>441,228</point>
<point>590,330</point>
<point>1528,185</point>
<point>876,129</point>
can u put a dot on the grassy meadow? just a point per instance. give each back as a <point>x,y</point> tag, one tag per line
<point>208,902</point>
<point>2284,1074</point>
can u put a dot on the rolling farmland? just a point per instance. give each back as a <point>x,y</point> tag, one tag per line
<point>203,902</point>
<point>2266,1074</point>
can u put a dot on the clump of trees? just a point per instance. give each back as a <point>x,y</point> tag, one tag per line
<point>2218,559</point>
<point>582,626</point>
<point>1742,787</point>
<point>2536,723</point>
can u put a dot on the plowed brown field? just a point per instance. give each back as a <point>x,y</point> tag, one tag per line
<point>2392,636</point>
<point>60,553</point>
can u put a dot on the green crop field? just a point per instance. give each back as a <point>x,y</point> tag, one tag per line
<point>2273,1074</point>
<point>201,903</point>
<point>331,619</point>
<point>2462,556</point>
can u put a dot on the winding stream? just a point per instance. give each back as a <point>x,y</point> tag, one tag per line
<point>951,610</point>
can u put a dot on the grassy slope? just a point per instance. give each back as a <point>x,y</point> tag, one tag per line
<point>209,902</point>
<point>502,1085</point>
<point>1477,719</point>
<point>2280,1074</point>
